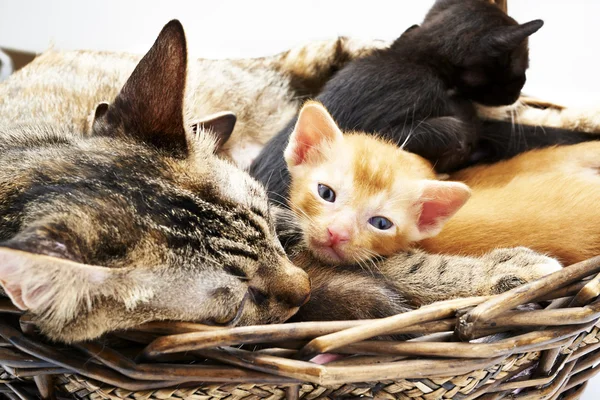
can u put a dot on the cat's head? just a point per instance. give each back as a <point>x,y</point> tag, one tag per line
<point>487,49</point>
<point>357,196</point>
<point>141,221</point>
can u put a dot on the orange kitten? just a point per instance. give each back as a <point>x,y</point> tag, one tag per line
<point>357,196</point>
<point>545,199</point>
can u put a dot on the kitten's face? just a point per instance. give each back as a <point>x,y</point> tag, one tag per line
<point>358,197</point>
<point>352,206</point>
<point>487,47</point>
<point>495,81</point>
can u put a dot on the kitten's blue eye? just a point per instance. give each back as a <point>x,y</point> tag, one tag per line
<point>381,223</point>
<point>326,193</point>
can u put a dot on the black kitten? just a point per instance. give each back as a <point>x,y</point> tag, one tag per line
<point>419,91</point>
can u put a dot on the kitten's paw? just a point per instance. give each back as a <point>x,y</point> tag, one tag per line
<point>516,266</point>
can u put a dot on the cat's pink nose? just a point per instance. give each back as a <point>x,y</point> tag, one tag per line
<point>337,236</point>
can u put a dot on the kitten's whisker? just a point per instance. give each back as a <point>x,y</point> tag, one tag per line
<point>363,267</point>
<point>406,140</point>
<point>372,257</point>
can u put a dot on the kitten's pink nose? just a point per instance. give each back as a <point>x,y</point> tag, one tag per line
<point>337,235</point>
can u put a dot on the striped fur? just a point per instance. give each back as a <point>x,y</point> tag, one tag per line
<point>63,88</point>
<point>138,221</point>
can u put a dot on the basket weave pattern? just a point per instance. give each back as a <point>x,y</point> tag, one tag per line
<point>540,340</point>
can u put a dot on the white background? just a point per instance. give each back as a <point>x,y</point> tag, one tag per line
<point>564,54</point>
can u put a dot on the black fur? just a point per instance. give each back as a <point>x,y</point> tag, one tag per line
<point>419,92</point>
<point>502,140</point>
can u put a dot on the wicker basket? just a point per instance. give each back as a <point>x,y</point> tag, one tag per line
<point>541,340</point>
<point>548,351</point>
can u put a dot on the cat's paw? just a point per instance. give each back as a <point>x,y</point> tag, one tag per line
<point>519,265</point>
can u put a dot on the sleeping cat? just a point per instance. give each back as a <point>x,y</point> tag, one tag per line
<point>64,87</point>
<point>544,199</point>
<point>357,205</point>
<point>138,221</point>
<point>419,92</point>
<point>356,197</point>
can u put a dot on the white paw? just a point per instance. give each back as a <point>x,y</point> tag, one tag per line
<point>548,266</point>
<point>526,260</point>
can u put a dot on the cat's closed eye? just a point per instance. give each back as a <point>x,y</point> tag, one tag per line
<point>381,223</point>
<point>326,193</point>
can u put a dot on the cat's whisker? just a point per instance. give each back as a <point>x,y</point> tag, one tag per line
<point>363,267</point>
<point>373,256</point>
<point>406,140</point>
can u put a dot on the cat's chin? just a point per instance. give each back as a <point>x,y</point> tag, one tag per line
<point>328,254</point>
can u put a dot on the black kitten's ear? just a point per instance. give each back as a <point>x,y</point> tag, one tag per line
<point>220,125</point>
<point>509,37</point>
<point>399,41</point>
<point>409,29</point>
<point>150,105</point>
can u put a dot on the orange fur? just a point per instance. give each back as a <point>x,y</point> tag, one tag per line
<point>546,199</point>
<point>370,178</point>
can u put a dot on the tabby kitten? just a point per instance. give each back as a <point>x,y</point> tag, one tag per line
<point>358,204</point>
<point>138,221</point>
<point>419,92</point>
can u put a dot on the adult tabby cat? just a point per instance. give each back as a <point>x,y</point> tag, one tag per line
<point>358,204</point>
<point>419,92</point>
<point>138,221</point>
<point>64,87</point>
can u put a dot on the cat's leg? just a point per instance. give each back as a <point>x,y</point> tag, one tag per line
<point>411,279</point>
<point>339,293</point>
<point>425,278</point>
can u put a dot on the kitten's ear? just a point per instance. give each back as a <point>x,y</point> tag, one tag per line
<point>314,128</point>
<point>509,37</point>
<point>220,125</point>
<point>149,107</point>
<point>437,203</point>
<point>405,34</point>
<point>44,284</point>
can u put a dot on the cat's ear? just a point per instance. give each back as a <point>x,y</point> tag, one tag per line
<point>219,125</point>
<point>314,128</point>
<point>149,107</point>
<point>42,283</point>
<point>400,40</point>
<point>437,203</point>
<point>510,37</point>
<point>100,111</point>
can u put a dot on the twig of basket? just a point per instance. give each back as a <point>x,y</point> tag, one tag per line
<point>476,318</point>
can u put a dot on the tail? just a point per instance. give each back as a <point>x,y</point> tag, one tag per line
<point>500,140</point>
